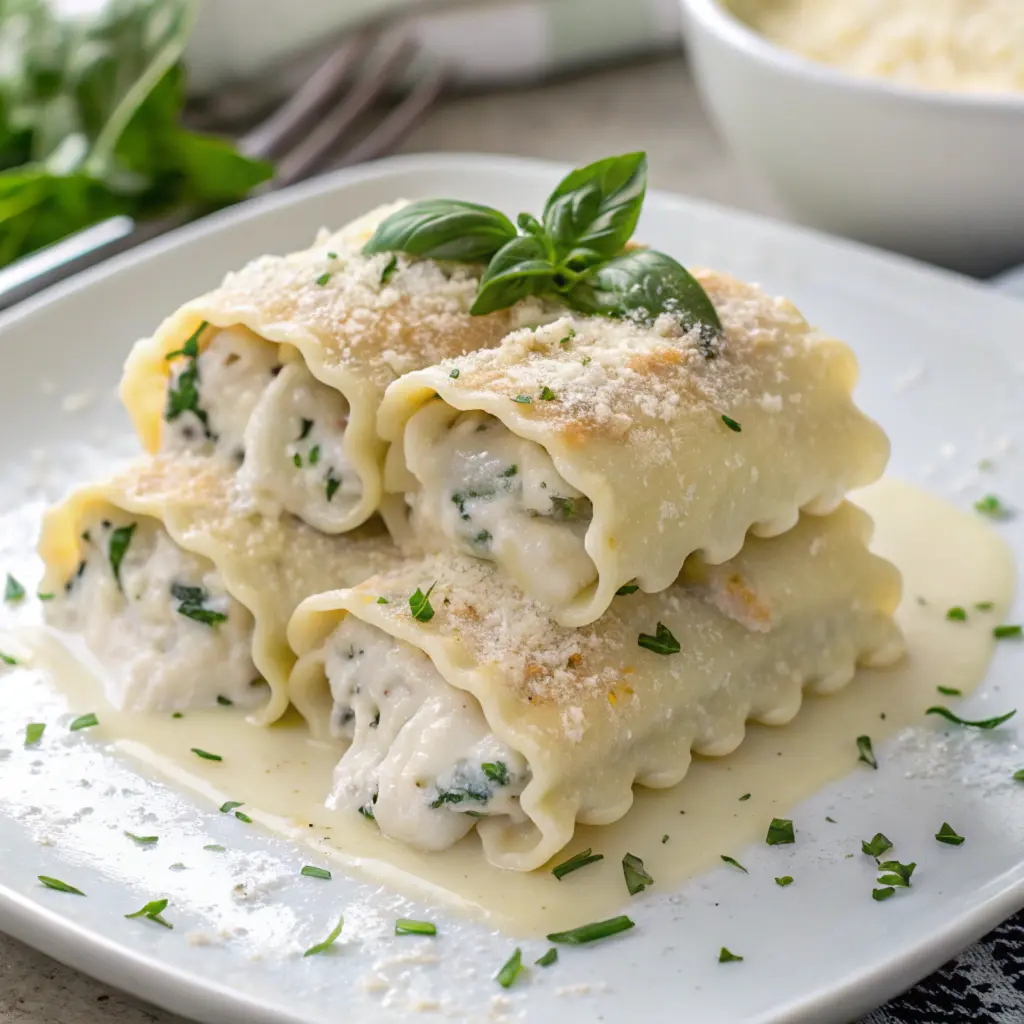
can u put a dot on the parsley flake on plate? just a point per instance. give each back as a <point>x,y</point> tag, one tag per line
<point>735,863</point>
<point>948,835</point>
<point>84,722</point>
<point>153,912</point>
<point>985,723</point>
<point>731,424</point>
<point>876,846</point>
<point>957,614</point>
<point>866,754</point>
<point>34,733</point>
<point>550,957</point>
<point>510,970</point>
<point>636,875</point>
<point>322,947</point>
<point>142,840</point>
<point>725,957</point>
<point>1014,632</point>
<point>784,881</point>
<point>59,886</point>
<point>420,606</point>
<point>575,862</point>
<point>406,926</point>
<point>780,832</point>
<point>312,872</point>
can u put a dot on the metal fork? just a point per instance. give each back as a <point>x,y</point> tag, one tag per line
<point>301,136</point>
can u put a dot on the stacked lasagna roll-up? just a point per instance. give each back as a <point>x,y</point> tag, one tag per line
<point>614,497</point>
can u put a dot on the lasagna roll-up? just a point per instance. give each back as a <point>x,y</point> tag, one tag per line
<point>280,370</point>
<point>465,705</point>
<point>591,453</point>
<point>181,595</point>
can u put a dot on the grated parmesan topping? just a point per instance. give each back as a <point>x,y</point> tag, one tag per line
<point>624,379</point>
<point>474,601</point>
<point>418,316</point>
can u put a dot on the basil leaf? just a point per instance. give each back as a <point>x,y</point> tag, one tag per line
<point>443,229</point>
<point>663,641</point>
<point>153,911</point>
<point>644,283</point>
<point>596,207</point>
<point>521,267</point>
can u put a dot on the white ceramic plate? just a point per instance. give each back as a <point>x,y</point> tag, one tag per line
<point>940,359</point>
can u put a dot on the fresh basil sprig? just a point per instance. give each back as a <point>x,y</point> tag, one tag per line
<point>577,254</point>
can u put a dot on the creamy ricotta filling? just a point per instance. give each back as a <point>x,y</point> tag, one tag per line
<point>165,632</point>
<point>278,423</point>
<point>295,450</point>
<point>423,761</point>
<point>499,497</point>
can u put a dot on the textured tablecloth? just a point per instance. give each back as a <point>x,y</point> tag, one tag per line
<point>649,105</point>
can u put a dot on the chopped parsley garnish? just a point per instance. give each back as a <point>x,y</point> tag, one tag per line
<point>482,538</point>
<point>780,832</point>
<point>784,881</point>
<point>523,399</point>
<point>831,821</point>
<point>59,886</point>
<point>985,723</point>
<point>550,957</point>
<point>406,926</point>
<point>592,932</point>
<point>984,606</point>
<point>663,642</point>
<point>420,606</point>
<point>193,605</point>
<point>332,255</point>
<point>882,894</point>
<point>216,847</point>
<point>144,840</point>
<point>876,847</point>
<point>333,483</point>
<point>307,426</point>
<point>119,541</point>
<point>224,702</point>
<point>13,590</point>
<point>1019,775</point>
<point>511,969</point>
<point>389,269</point>
<point>731,423</point>
<point>240,816</point>
<point>626,589</point>
<point>496,771</point>
<point>546,394</point>
<point>177,714</point>
<point>637,877</point>
<point>229,806</point>
<point>314,455</point>
<point>956,614</point>
<point>323,278</point>
<point>34,732</point>
<point>184,395</point>
<point>511,471</point>
<point>206,755</point>
<point>367,812</point>
<point>322,947</point>
<point>84,722</point>
<point>949,691</point>
<point>454,374</point>
<point>575,862</point>
<point>746,796</point>
<point>664,839</point>
<point>8,659</point>
<point>866,754</point>
<point>735,863</point>
<point>725,957</point>
<point>947,834</point>
<point>312,872</point>
<point>1008,632</point>
<point>992,507</point>
<point>46,597</point>
<point>563,508</point>
<point>383,600</point>
<point>297,460</point>
<point>895,874</point>
<point>585,361</point>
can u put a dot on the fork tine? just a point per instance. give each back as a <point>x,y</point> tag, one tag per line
<point>400,121</point>
<point>304,158</point>
<point>269,139</point>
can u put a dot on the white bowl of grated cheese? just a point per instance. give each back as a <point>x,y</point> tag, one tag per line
<point>935,173</point>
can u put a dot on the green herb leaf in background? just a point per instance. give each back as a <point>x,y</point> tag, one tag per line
<point>90,109</point>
